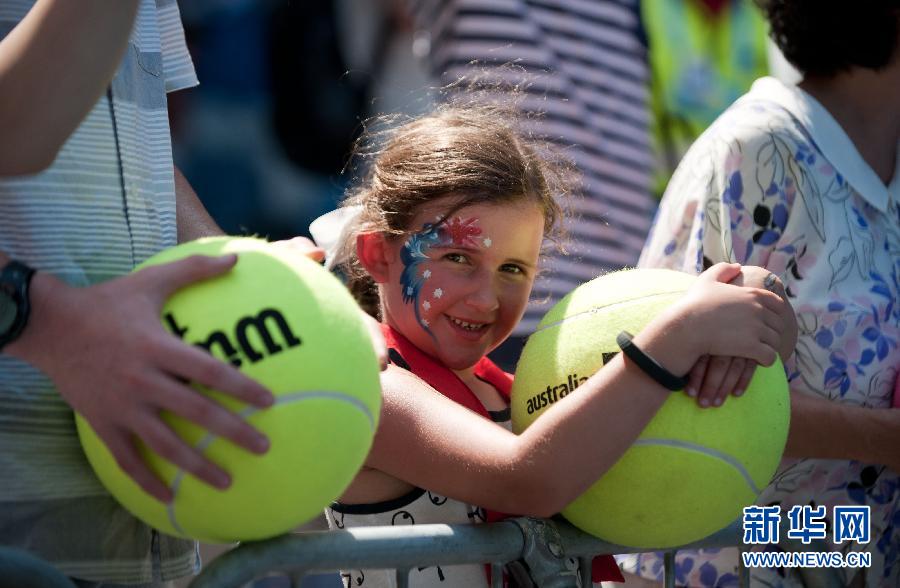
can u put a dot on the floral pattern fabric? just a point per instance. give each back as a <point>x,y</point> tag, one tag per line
<point>775,182</point>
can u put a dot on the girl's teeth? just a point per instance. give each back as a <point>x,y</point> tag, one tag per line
<point>465,325</point>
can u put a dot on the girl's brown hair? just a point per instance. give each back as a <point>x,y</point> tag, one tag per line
<point>474,154</point>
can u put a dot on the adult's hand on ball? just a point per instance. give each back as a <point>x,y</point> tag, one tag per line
<point>111,359</point>
<point>307,247</point>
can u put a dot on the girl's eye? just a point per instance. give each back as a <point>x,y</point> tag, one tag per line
<point>456,258</point>
<point>512,268</point>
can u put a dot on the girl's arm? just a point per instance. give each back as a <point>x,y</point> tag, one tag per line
<point>429,441</point>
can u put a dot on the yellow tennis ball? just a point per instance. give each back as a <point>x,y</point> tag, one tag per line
<point>692,470</point>
<point>286,322</point>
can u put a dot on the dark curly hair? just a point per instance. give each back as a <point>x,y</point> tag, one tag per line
<point>826,37</point>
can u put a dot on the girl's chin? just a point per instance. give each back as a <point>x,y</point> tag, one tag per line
<point>458,364</point>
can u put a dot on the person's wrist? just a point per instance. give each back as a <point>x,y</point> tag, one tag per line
<point>35,340</point>
<point>667,340</point>
<point>648,364</point>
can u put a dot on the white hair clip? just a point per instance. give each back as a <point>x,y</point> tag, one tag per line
<point>331,230</point>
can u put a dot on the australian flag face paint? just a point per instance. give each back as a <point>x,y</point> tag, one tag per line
<point>416,279</point>
<point>459,285</point>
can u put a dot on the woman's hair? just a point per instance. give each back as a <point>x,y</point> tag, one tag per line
<point>826,37</point>
<point>472,154</point>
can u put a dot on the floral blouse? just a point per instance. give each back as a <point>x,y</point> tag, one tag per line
<point>776,182</point>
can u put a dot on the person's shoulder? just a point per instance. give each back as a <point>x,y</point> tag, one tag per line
<point>759,116</point>
<point>401,384</point>
<point>749,127</point>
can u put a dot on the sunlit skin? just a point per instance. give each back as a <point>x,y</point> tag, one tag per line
<point>483,280</point>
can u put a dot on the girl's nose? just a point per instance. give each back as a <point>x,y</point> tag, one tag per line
<point>484,297</point>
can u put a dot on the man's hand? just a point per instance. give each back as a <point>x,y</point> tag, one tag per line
<point>111,359</point>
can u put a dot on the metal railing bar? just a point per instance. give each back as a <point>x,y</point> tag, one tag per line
<point>406,547</point>
<point>362,548</point>
<point>669,569</point>
<point>402,577</point>
<point>585,565</point>
<point>496,575</point>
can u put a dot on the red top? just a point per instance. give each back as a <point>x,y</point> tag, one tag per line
<point>409,357</point>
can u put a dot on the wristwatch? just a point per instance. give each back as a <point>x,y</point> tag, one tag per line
<point>15,305</point>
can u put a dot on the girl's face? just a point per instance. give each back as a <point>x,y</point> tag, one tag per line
<point>458,288</point>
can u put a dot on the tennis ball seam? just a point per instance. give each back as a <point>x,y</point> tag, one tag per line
<point>596,309</point>
<point>707,451</point>
<point>207,440</point>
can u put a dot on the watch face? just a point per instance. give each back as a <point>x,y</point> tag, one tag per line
<point>8,309</point>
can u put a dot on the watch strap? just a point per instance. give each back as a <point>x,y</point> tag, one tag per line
<point>15,278</point>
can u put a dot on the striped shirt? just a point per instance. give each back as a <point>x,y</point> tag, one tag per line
<point>586,67</point>
<point>106,204</point>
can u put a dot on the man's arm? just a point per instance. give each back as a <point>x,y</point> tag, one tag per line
<point>192,218</point>
<point>54,65</point>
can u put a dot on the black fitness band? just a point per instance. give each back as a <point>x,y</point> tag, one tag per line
<point>648,365</point>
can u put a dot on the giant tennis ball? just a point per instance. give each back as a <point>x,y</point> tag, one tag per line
<point>286,322</point>
<point>692,470</point>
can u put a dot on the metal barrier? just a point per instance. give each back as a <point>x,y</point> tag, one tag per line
<point>545,545</point>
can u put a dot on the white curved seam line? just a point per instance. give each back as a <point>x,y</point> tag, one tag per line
<point>705,451</point>
<point>251,410</point>
<point>596,309</point>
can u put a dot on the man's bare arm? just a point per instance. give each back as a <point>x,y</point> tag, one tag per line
<point>193,219</point>
<point>54,65</point>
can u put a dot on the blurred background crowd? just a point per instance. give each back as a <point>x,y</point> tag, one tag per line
<point>285,87</point>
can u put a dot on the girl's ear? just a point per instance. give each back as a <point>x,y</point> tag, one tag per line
<point>374,253</point>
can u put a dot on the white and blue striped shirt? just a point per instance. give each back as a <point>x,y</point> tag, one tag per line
<point>104,205</point>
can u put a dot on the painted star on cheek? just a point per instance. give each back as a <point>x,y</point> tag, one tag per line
<point>409,290</point>
<point>425,322</point>
<point>426,305</point>
<point>487,242</point>
<point>438,293</point>
<point>426,274</point>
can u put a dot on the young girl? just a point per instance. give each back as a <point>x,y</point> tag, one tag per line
<point>452,217</point>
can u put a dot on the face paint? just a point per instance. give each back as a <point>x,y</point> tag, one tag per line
<point>414,254</point>
<point>454,288</point>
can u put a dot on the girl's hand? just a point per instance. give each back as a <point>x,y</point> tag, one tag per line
<point>721,319</point>
<point>713,378</point>
<point>758,277</point>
